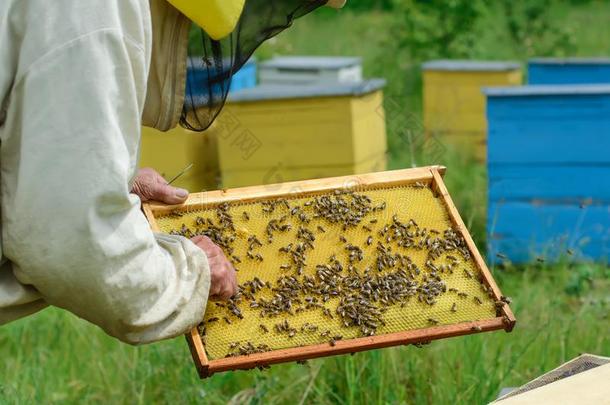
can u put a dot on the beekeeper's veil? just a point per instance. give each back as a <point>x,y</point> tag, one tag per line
<point>231,30</point>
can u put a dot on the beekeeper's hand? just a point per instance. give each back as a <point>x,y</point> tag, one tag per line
<point>223,281</point>
<point>150,185</point>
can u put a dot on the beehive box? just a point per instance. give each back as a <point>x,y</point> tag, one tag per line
<point>274,134</point>
<point>306,70</point>
<point>454,105</point>
<point>170,153</point>
<point>550,71</point>
<point>197,73</point>
<point>337,266</point>
<point>547,169</point>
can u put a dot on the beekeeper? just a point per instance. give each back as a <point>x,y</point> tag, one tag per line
<point>77,81</point>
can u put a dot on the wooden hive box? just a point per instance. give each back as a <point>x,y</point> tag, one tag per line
<point>568,71</point>
<point>304,70</point>
<point>548,167</point>
<point>454,105</point>
<point>171,152</point>
<point>197,76</point>
<point>273,134</point>
<point>435,286</point>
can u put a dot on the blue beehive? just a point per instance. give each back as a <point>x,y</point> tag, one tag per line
<point>549,171</point>
<point>568,71</point>
<point>244,78</point>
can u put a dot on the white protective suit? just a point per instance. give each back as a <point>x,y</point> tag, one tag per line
<point>73,86</point>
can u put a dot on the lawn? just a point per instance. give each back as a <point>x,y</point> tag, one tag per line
<point>562,309</point>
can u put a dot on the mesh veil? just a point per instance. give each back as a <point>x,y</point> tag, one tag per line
<point>212,63</point>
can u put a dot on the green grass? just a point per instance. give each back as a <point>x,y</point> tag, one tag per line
<point>562,309</point>
<point>54,357</point>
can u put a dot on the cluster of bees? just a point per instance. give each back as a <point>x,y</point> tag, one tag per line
<point>362,295</point>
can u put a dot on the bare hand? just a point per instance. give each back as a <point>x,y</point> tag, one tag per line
<point>223,283</point>
<point>150,185</point>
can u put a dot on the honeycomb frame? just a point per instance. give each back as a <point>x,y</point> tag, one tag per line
<point>431,175</point>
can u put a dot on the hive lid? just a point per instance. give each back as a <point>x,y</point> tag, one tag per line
<point>570,61</point>
<point>471,65</point>
<point>311,62</point>
<point>547,90</point>
<point>277,91</point>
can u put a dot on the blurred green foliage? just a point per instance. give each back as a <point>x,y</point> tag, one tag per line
<point>433,28</point>
<point>452,28</point>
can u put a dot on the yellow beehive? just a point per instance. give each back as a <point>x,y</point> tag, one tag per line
<point>454,105</point>
<point>171,152</point>
<point>271,134</point>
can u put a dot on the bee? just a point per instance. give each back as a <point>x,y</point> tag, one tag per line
<point>373,221</point>
<point>212,320</point>
<point>419,184</point>
<point>325,333</point>
<point>570,252</point>
<point>285,266</point>
<point>478,300</point>
<point>236,258</point>
<point>540,259</point>
<point>501,256</point>
<point>366,228</point>
<point>369,240</point>
<point>259,257</point>
<point>246,216</point>
<point>233,345</point>
<point>332,342</point>
<point>433,321</point>
<point>321,229</point>
<point>342,239</point>
<point>462,295</point>
<point>507,300</point>
<point>476,328</point>
<point>286,248</point>
<point>227,320</point>
<point>454,307</point>
<point>468,273</point>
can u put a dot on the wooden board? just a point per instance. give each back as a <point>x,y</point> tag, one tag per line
<point>453,100</point>
<point>568,184</point>
<point>290,132</point>
<point>281,173</point>
<point>568,72</point>
<point>547,129</point>
<point>430,175</point>
<point>524,231</point>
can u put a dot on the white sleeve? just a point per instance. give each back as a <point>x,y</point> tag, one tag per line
<point>70,225</point>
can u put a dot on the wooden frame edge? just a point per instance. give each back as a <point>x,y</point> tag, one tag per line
<point>441,189</point>
<point>198,353</point>
<point>299,188</point>
<point>352,345</point>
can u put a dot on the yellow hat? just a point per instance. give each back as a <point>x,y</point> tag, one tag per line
<point>219,17</point>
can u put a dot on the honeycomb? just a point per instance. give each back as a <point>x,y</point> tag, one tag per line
<point>417,287</point>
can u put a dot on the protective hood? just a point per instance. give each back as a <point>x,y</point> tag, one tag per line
<point>212,61</point>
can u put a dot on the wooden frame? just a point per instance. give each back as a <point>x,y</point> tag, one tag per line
<point>431,175</point>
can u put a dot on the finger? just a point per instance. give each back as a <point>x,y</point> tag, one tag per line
<point>209,247</point>
<point>168,194</point>
<point>197,239</point>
